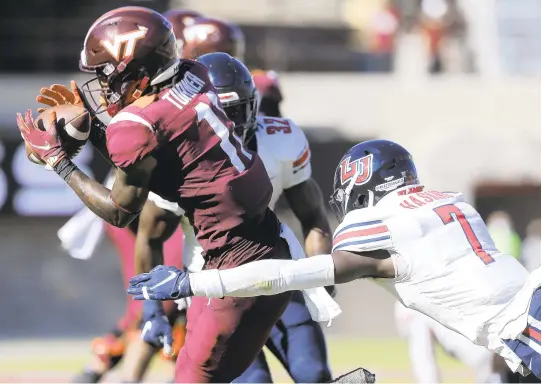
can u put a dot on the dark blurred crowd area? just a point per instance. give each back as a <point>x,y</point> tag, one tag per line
<point>46,35</point>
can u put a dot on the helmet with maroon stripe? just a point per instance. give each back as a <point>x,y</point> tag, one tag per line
<point>368,172</point>
<point>131,50</point>
<point>236,91</point>
<point>208,35</point>
<point>180,19</point>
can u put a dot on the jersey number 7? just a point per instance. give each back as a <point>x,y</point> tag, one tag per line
<point>450,213</point>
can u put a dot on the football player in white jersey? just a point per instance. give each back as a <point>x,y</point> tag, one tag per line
<point>432,247</point>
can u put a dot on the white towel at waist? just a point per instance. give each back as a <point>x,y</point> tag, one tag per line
<point>81,235</point>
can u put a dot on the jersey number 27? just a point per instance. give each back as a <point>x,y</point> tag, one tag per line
<point>448,214</point>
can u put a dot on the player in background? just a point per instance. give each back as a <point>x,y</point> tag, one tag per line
<point>110,349</point>
<point>268,86</point>
<point>170,135</point>
<point>432,248</point>
<point>422,333</point>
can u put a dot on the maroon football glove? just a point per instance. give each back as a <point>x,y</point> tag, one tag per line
<point>45,144</point>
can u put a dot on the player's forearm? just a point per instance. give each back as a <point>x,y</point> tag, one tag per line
<point>306,202</point>
<point>148,254</point>
<point>265,277</point>
<point>93,194</point>
<point>156,226</point>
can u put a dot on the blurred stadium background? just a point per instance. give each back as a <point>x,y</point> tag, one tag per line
<point>457,82</point>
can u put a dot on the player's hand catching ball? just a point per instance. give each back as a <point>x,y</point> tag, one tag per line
<point>58,94</point>
<point>45,144</point>
<point>161,283</point>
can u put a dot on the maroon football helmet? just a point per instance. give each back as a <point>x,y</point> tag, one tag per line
<point>180,19</point>
<point>131,50</point>
<point>208,35</point>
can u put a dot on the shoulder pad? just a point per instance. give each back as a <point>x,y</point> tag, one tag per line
<point>359,233</point>
<point>286,139</point>
<point>130,137</point>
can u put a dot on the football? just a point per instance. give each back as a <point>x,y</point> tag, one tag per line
<point>73,123</point>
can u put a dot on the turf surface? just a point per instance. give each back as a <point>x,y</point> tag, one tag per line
<point>57,361</point>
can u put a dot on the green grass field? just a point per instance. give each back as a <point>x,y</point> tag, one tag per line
<point>56,361</point>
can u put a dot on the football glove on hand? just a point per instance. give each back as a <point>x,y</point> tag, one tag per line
<point>161,283</point>
<point>58,94</point>
<point>156,328</point>
<point>45,144</point>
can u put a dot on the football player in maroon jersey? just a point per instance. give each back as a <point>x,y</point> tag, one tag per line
<point>297,341</point>
<point>170,135</point>
<point>160,233</point>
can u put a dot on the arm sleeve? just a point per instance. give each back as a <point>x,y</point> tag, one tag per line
<point>297,168</point>
<point>362,236</point>
<point>265,277</point>
<point>130,138</point>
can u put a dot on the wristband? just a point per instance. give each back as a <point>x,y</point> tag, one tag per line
<point>64,168</point>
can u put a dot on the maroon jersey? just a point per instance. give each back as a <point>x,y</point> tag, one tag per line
<point>201,164</point>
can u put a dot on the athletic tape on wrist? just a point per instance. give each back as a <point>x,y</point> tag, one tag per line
<point>64,168</point>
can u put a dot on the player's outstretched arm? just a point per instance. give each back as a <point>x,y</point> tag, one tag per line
<point>118,206</point>
<point>263,277</point>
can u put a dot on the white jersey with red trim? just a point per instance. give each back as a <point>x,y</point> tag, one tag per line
<point>446,263</point>
<point>285,153</point>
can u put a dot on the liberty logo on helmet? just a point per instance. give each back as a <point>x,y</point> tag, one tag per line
<point>362,167</point>
<point>127,40</point>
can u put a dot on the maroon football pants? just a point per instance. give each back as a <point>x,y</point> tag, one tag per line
<point>224,336</point>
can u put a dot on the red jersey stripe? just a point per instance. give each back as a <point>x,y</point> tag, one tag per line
<point>361,233</point>
<point>302,158</point>
<point>532,333</point>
